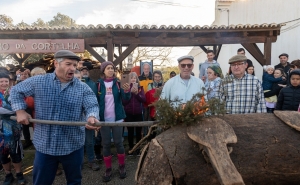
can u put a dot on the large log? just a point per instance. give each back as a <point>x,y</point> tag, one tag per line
<point>266,152</point>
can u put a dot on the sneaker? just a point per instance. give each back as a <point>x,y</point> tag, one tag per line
<point>122,171</point>
<point>21,179</point>
<point>94,166</point>
<point>9,178</point>
<point>107,175</point>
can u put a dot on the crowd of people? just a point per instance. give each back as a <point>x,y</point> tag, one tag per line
<point>68,94</point>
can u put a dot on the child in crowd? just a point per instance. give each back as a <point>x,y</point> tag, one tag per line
<point>268,80</point>
<point>271,96</point>
<point>289,97</point>
<point>134,109</point>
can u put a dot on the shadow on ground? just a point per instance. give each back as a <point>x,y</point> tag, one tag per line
<point>89,177</point>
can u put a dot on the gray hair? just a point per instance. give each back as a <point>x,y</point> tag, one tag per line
<point>59,59</point>
<point>37,70</point>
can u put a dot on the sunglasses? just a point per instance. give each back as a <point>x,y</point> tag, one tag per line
<point>184,65</point>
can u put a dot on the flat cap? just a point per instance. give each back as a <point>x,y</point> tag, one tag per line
<point>185,57</point>
<point>237,58</point>
<point>66,54</point>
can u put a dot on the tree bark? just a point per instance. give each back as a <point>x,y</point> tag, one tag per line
<point>266,152</point>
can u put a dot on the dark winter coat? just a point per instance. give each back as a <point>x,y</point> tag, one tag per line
<point>275,89</point>
<point>268,81</point>
<point>289,97</point>
<point>135,105</point>
<point>285,69</point>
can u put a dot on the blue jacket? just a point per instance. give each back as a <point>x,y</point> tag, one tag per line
<point>268,81</point>
<point>118,94</point>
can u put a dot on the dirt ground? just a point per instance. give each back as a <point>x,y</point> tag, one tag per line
<point>90,177</point>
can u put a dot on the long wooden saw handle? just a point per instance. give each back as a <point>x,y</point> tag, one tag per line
<point>74,123</point>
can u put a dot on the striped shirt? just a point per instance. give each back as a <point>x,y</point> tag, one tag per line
<point>54,102</point>
<point>242,96</point>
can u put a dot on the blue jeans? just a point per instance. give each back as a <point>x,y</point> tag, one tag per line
<point>45,167</point>
<point>89,144</point>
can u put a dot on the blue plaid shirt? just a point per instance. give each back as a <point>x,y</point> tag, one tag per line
<point>54,102</point>
<point>242,96</point>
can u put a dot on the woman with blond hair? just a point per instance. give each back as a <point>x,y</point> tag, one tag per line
<point>134,108</point>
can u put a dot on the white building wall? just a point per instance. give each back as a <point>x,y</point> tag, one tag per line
<point>257,12</point>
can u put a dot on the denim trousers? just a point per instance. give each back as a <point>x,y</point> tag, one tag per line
<point>89,144</point>
<point>45,167</point>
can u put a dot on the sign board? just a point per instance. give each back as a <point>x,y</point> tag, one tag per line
<point>40,45</point>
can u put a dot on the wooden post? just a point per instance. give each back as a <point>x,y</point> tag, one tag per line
<point>120,52</point>
<point>267,51</point>
<point>110,49</point>
<point>218,51</point>
<point>127,51</point>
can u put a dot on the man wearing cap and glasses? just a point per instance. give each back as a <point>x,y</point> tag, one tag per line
<point>242,92</point>
<point>58,96</point>
<point>184,85</point>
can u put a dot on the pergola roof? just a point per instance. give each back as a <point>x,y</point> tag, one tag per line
<point>143,27</point>
<point>132,36</point>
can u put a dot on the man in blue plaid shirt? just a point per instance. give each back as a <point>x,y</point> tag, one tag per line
<point>242,92</point>
<point>57,97</point>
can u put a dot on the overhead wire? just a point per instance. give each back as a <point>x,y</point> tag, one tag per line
<point>166,3</point>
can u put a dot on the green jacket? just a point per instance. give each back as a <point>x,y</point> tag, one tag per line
<point>118,94</point>
<point>91,84</point>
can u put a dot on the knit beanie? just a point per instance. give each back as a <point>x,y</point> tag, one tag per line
<point>217,70</point>
<point>105,64</point>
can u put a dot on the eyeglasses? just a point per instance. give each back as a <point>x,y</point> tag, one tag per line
<point>236,64</point>
<point>184,65</point>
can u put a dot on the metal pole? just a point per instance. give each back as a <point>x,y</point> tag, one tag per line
<point>74,123</point>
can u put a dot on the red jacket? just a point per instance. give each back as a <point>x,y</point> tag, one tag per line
<point>151,99</point>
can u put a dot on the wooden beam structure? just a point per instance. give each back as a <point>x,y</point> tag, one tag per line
<point>125,53</point>
<point>253,49</point>
<point>132,36</point>
<point>267,51</point>
<point>21,60</point>
<point>110,49</point>
<point>217,52</point>
<point>94,53</point>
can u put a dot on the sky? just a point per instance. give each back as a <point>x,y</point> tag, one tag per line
<point>150,12</point>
